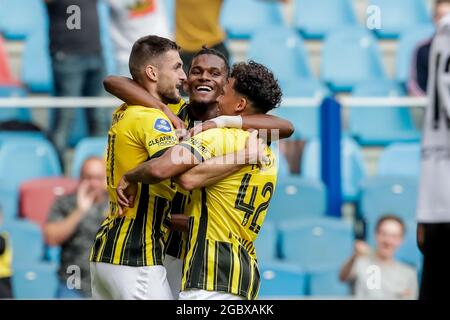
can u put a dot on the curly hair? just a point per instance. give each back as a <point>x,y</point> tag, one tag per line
<point>258,84</point>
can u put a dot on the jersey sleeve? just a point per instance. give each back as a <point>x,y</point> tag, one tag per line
<point>215,142</point>
<point>156,132</point>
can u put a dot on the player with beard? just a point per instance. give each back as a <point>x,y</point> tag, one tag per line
<point>207,76</point>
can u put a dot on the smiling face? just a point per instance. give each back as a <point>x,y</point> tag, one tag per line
<point>229,100</point>
<point>207,77</point>
<point>389,238</point>
<point>170,77</point>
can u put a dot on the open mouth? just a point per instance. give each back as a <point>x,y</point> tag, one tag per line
<point>204,88</point>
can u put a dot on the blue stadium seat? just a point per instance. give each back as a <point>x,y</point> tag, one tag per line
<point>389,195</point>
<point>7,136</point>
<point>15,113</point>
<point>286,56</point>
<point>314,21</point>
<point>26,240</point>
<point>35,281</point>
<point>280,279</point>
<point>316,243</point>
<point>266,243</point>
<point>326,282</point>
<point>304,119</point>
<point>105,38</point>
<point>400,15</point>
<point>352,165</point>
<point>36,64</point>
<point>170,13</point>
<point>88,147</point>
<point>241,20</point>
<point>349,56</point>
<point>16,155</point>
<point>407,44</point>
<point>297,198</point>
<point>19,18</point>
<point>400,159</point>
<point>365,122</point>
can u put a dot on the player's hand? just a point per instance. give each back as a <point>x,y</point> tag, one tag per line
<point>85,198</point>
<point>202,127</point>
<point>254,151</point>
<point>126,194</point>
<point>179,222</point>
<point>362,248</point>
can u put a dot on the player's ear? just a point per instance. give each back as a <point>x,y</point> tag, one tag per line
<point>240,107</point>
<point>151,72</point>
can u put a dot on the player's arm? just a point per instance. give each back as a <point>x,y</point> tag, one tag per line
<point>132,93</point>
<point>218,168</point>
<point>269,123</point>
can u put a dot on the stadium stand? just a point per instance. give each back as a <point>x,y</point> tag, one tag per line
<point>14,112</point>
<point>37,280</point>
<point>88,147</point>
<point>267,243</point>
<point>280,280</point>
<point>400,159</point>
<point>6,78</point>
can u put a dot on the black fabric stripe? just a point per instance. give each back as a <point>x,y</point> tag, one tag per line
<point>256,282</point>
<point>133,250</point>
<point>224,265</point>
<point>116,237</point>
<point>159,210</point>
<point>244,273</point>
<point>216,258</point>
<point>197,260</point>
<point>192,150</point>
<point>109,245</point>
<point>125,240</point>
<point>205,265</point>
<point>436,94</point>
<point>174,244</point>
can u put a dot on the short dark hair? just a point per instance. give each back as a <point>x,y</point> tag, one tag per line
<point>388,217</point>
<point>438,2</point>
<point>214,52</point>
<point>145,49</point>
<point>256,82</point>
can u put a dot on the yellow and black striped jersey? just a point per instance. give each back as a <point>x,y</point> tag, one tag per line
<point>175,240</point>
<point>226,218</point>
<point>5,257</point>
<point>137,134</point>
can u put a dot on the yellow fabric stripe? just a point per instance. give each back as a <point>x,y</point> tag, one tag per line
<point>120,241</point>
<point>235,279</point>
<point>211,276</point>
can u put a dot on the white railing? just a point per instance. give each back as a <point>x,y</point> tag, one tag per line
<point>108,102</point>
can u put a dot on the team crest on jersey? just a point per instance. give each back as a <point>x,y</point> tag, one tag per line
<point>162,125</point>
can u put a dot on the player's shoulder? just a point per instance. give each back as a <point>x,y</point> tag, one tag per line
<point>177,107</point>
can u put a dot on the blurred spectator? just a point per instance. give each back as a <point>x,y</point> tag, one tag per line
<point>417,84</point>
<point>433,206</point>
<point>73,223</point>
<point>377,275</point>
<point>131,20</point>
<point>5,264</point>
<point>77,61</point>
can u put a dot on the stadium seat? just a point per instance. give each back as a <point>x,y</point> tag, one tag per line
<point>266,243</point>
<point>280,279</point>
<point>7,136</point>
<point>105,38</point>
<point>286,56</point>
<point>38,195</point>
<point>35,281</point>
<point>26,240</point>
<point>316,243</point>
<point>170,13</point>
<point>400,15</point>
<point>21,160</point>
<point>365,122</point>
<point>352,165</point>
<point>241,20</point>
<point>400,159</point>
<point>325,283</point>
<point>408,42</point>
<point>389,195</point>
<point>14,112</point>
<point>297,198</point>
<point>314,21</point>
<point>6,77</point>
<point>304,118</point>
<point>19,18</point>
<point>349,56</point>
<point>37,73</point>
<point>88,147</point>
